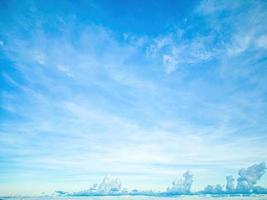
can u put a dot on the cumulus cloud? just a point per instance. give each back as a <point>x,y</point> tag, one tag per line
<point>249,177</point>
<point>109,185</point>
<point>183,185</point>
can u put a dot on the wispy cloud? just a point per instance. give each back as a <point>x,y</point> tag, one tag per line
<point>82,100</point>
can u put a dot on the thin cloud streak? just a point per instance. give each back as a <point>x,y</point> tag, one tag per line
<point>81,96</point>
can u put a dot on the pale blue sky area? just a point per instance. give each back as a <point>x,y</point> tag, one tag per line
<point>141,90</point>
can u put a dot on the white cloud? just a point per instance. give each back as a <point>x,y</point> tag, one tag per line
<point>39,57</point>
<point>64,69</point>
<point>170,63</point>
<point>176,50</point>
<point>240,43</point>
<point>262,41</point>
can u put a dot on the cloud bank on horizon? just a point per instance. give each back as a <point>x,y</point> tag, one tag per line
<point>139,89</point>
<point>246,184</point>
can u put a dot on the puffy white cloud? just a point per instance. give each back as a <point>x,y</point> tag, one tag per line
<point>249,177</point>
<point>183,185</point>
<point>109,184</point>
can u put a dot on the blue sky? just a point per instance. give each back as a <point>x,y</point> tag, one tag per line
<point>141,90</point>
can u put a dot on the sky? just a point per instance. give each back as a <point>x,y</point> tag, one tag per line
<point>139,90</point>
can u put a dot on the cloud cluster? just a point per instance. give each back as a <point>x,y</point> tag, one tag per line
<point>248,178</point>
<point>246,184</point>
<point>109,185</point>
